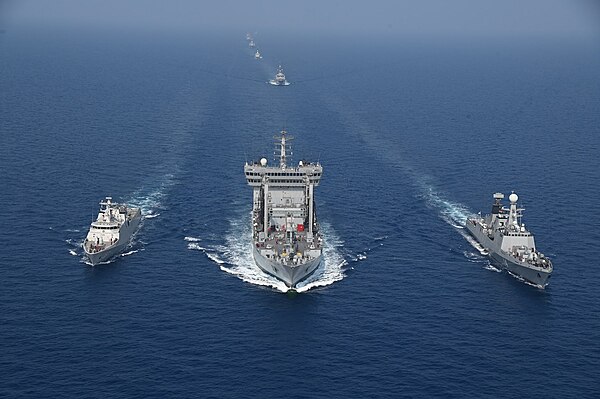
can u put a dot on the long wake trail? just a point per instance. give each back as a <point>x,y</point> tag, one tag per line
<point>453,213</point>
<point>181,119</point>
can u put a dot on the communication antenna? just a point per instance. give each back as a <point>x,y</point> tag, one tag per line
<point>282,145</point>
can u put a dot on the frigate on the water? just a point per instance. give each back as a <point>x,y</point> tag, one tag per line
<point>111,232</point>
<point>279,78</point>
<point>251,43</point>
<point>508,243</point>
<point>286,241</point>
<point>257,55</point>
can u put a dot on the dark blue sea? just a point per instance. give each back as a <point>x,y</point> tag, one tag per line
<point>414,135</point>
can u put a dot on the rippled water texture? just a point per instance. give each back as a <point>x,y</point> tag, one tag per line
<point>413,138</point>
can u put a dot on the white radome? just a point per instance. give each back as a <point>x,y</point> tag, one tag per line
<point>263,161</point>
<point>513,197</point>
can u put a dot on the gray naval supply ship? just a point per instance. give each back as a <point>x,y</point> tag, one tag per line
<point>508,243</point>
<point>111,232</point>
<point>286,239</point>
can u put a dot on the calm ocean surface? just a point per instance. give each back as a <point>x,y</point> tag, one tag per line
<point>413,136</point>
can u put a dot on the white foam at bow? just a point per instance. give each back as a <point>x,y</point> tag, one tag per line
<point>130,252</point>
<point>331,268</point>
<point>491,267</point>
<point>235,257</point>
<point>521,279</point>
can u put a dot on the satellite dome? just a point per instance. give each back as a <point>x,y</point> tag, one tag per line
<point>300,163</point>
<point>513,197</point>
<point>263,161</point>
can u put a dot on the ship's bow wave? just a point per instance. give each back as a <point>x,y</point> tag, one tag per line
<point>235,257</point>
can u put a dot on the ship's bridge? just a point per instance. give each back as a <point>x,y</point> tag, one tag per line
<point>301,175</point>
<point>105,226</point>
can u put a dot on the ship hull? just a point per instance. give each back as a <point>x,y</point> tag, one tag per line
<point>275,83</point>
<point>106,254</point>
<point>533,276</point>
<point>125,234</point>
<point>504,261</point>
<point>290,275</point>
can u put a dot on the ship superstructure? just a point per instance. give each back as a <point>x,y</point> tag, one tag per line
<point>508,242</point>
<point>111,232</point>
<point>286,239</point>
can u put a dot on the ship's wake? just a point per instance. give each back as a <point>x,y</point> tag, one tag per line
<point>474,243</point>
<point>74,245</point>
<point>235,257</point>
<point>151,200</point>
<point>492,268</point>
<point>453,213</point>
<point>362,255</point>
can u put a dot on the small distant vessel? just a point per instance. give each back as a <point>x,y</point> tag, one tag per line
<point>248,36</point>
<point>509,244</point>
<point>286,239</point>
<point>279,78</point>
<point>251,44</point>
<point>257,55</point>
<point>111,232</point>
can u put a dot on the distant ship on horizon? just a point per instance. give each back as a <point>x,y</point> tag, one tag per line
<point>279,78</point>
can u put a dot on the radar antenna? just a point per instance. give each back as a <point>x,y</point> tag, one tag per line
<point>282,142</point>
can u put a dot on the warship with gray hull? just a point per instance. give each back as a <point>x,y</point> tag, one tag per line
<point>280,79</point>
<point>111,232</point>
<point>286,241</point>
<point>509,244</point>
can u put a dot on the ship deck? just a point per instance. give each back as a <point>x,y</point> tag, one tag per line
<point>277,247</point>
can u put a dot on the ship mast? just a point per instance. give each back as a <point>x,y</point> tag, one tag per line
<point>283,148</point>
<point>513,215</point>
